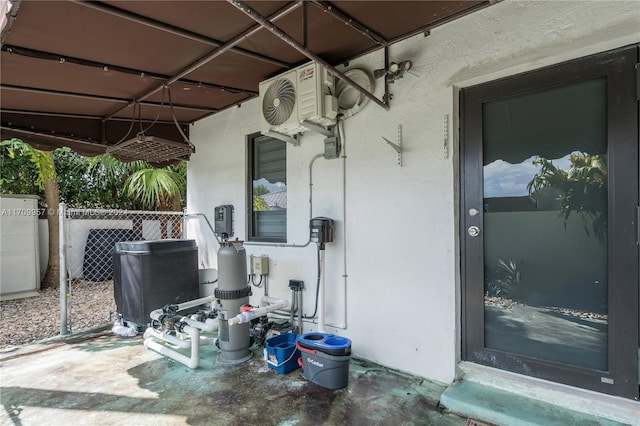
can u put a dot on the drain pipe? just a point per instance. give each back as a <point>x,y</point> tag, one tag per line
<point>273,304</point>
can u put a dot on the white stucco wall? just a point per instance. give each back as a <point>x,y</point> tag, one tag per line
<point>401,222</point>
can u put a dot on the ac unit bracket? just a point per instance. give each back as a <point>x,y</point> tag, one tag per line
<point>293,140</point>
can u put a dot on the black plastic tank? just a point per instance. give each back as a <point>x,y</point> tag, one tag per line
<point>150,274</point>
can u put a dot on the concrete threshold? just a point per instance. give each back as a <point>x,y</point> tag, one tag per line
<point>504,398</point>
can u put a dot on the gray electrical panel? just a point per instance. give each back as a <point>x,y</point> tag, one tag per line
<point>321,230</point>
<point>331,148</point>
<point>223,220</point>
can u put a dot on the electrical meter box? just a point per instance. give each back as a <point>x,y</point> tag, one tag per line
<point>223,220</point>
<point>321,230</point>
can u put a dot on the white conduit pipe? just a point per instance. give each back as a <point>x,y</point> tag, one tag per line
<point>273,304</point>
<point>321,293</point>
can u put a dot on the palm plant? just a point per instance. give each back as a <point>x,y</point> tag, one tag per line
<point>508,276</point>
<point>110,175</point>
<point>582,189</point>
<point>161,189</point>
<point>158,188</point>
<point>140,183</point>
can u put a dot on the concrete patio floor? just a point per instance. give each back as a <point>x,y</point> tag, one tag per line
<point>98,378</point>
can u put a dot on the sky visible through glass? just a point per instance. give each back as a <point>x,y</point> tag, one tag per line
<point>503,179</point>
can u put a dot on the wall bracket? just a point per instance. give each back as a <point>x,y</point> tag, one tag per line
<point>396,147</point>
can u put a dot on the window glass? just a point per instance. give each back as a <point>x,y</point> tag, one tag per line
<point>268,189</point>
<point>545,224</point>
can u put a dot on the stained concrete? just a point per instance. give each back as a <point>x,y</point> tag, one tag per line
<point>98,378</point>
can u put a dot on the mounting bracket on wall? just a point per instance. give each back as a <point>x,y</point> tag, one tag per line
<point>293,140</point>
<point>397,147</point>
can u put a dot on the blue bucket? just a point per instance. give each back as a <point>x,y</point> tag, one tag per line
<point>282,354</point>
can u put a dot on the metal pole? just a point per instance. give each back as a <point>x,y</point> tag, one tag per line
<point>251,13</point>
<point>62,212</point>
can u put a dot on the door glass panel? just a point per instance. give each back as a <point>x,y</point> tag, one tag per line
<point>545,225</point>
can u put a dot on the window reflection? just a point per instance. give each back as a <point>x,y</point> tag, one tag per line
<point>545,225</point>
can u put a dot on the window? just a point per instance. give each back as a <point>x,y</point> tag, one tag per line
<point>267,189</point>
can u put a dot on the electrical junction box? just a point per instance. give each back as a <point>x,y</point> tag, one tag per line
<point>223,220</point>
<point>331,148</point>
<point>321,230</point>
<point>260,265</point>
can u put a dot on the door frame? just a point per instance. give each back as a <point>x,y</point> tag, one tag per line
<point>618,66</point>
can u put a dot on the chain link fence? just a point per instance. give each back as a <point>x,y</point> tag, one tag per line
<point>87,240</point>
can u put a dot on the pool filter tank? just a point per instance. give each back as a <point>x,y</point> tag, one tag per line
<point>232,294</point>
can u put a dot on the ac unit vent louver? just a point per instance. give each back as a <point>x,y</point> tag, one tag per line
<point>278,102</point>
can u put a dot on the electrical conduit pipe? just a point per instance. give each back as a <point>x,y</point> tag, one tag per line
<point>321,293</point>
<point>273,304</point>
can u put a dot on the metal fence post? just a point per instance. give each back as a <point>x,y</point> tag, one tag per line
<point>184,223</point>
<point>62,212</point>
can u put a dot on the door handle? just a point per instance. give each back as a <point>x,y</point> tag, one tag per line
<point>473,231</point>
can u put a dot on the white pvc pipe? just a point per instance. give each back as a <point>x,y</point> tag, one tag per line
<point>157,313</point>
<point>163,350</point>
<point>196,302</point>
<point>167,337</point>
<point>321,293</point>
<point>273,304</point>
<point>192,361</point>
<point>209,325</point>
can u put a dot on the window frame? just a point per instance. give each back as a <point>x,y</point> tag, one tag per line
<point>252,139</point>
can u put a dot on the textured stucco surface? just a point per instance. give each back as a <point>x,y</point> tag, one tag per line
<point>398,227</point>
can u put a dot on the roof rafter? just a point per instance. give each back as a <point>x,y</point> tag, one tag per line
<point>38,54</point>
<point>128,102</point>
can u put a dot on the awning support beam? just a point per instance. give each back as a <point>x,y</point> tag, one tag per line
<point>213,54</point>
<point>331,9</point>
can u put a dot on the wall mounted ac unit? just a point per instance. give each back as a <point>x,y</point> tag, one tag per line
<point>306,93</point>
